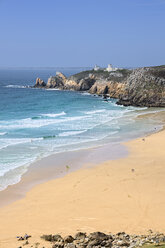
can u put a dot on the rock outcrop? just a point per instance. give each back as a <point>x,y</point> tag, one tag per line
<point>57,81</point>
<point>100,239</point>
<point>138,87</point>
<point>145,87</point>
<point>40,83</point>
<point>111,88</point>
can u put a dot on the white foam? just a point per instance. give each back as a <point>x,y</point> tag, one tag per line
<point>15,86</point>
<point>94,111</point>
<point>53,89</point>
<point>70,133</point>
<point>3,133</point>
<point>13,173</point>
<point>11,142</point>
<point>36,123</point>
<point>54,115</point>
<point>85,94</point>
<point>75,118</point>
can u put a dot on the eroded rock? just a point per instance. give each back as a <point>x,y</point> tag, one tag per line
<point>138,87</point>
<point>39,83</point>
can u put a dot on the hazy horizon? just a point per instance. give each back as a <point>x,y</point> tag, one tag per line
<point>64,67</point>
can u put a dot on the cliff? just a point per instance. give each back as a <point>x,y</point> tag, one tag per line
<point>145,87</point>
<point>95,82</point>
<point>138,87</point>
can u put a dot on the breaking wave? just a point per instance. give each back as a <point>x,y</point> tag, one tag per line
<point>54,115</point>
<point>15,86</point>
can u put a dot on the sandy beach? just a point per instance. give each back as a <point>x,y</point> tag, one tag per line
<point>125,194</point>
<point>82,124</point>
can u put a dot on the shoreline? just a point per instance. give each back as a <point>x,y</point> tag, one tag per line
<point>118,83</point>
<point>60,164</point>
<point>41,170</point>
<point>124,194</point>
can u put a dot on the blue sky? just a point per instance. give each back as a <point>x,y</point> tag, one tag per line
<point>126,33</point>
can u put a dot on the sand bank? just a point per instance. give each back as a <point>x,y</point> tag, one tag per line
<point>59,165</point>
<point>118,195</point>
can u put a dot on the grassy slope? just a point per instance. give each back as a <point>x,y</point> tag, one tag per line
<point>154,245</point>
<point>157,71</point>
<point>102,74</point>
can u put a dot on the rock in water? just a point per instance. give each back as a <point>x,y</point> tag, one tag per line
<point>56,82</point>
<point>39,83</point>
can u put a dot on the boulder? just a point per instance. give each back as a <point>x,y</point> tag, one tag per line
<point>68,239</point>
<point>80,235</point>
<point>98,236</point>
<point>39,83</point>
<point>58,245</point>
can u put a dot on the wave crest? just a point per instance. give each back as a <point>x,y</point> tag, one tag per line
<point>54,114</point>
<point>15,86</point>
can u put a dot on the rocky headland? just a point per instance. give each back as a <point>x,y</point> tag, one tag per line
<point>137,87</point>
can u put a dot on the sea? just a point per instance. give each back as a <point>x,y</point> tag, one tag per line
<point>35,123</point>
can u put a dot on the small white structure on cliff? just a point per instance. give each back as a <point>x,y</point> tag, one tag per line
<point>96,68</point>
<point>110,68</point>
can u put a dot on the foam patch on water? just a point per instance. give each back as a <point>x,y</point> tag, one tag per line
<point>15,86</point>
<point>1,134</point>
<point>4,143</point>
<point>70,133</point>
<point>53,89</point>
<point>85,94</point>
<point>94,111</point>
<point>54,115</point>
<point>36,123</point>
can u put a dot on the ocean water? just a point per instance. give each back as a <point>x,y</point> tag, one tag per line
<point>35,123</point>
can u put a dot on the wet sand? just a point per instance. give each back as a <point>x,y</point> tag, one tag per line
<point>59,165</point>
<point>125,194</point>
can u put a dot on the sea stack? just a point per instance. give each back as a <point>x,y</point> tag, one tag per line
<point>39,83</point>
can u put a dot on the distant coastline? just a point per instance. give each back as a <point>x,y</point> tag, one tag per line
<point>142,87</point>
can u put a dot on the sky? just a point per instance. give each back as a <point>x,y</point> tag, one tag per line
<point>75,33</point>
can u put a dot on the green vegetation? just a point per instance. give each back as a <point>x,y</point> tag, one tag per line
<point>102,74</point>
<point>78,76</point>
<point>158,67</point>
<point>125,72</point>
<point>81,75</point>
<point>157,71</point>
<point>67,167</point>
<point>162,245</point>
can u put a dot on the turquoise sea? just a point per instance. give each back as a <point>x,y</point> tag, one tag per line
<point>35,123</point>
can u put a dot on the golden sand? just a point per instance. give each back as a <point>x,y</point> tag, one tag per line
<point>121,195</point>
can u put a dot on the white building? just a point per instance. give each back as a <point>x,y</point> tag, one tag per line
<point>110,68</point>
<point>96,68</point>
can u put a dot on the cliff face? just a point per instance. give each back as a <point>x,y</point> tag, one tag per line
<point>96,82</point>
<point>145,87</point>
<point>113,89</point>
<point>139,87</point>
